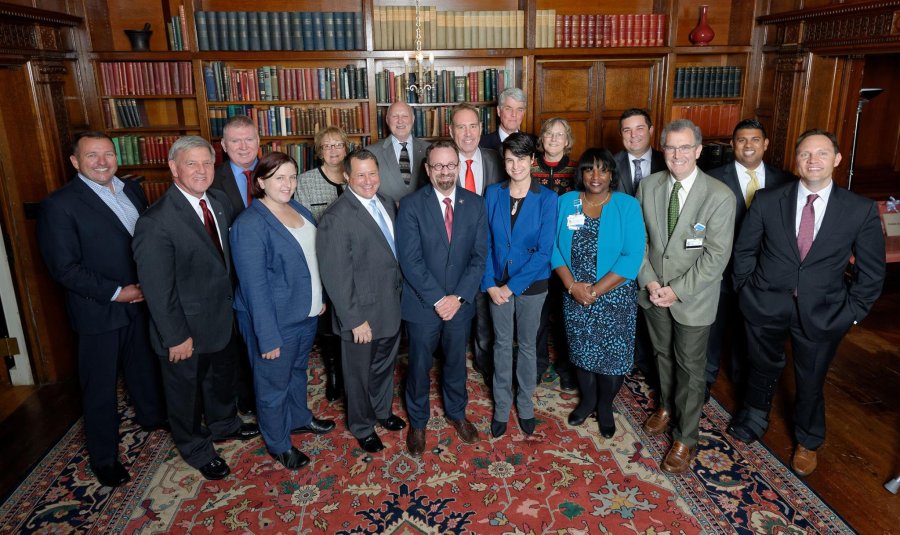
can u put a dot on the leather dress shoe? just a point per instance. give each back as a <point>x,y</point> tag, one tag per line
<point>111,475</point>
<point>657,422</point>
<point>215,469</point>
<point>292,459</point>
<point>486,376</point>
<point>678,460</point>
<point>527,425</point>
<point>498,428</point>
<point>415,441</point>
<point>465,430</point>
<point>575,419</point>
<point>245,432</point>
<point>804,461</point>
<point>608,432</point>
<point>742,432</point>
<point>371,443</point>
<point>315,426</point>
<point>392,423</point>
<point>567,383</point>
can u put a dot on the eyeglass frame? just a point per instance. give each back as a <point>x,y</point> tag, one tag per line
<point>683,149</point>
<point>439,167</point>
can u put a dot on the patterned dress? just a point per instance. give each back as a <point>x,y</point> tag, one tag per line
<point>601,336</point>
<point>316,192</point>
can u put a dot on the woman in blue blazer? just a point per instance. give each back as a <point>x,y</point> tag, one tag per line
<point>521,215</point>
<point>278,300</point>
<point>599,248</point>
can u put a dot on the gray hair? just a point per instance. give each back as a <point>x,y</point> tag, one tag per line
<point>679,125</point>
<point>190,142</point>
<point>514,93</point>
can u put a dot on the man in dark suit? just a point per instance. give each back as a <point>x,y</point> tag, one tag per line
<point>790,272</point>
<point>84,233</point>
<point>184,266</point>
<point>744,176</point>
<point>400,155</point>
<point>442,247</point>
<point>358,264</point>
<point>511,104</point>
<point>478,169</point>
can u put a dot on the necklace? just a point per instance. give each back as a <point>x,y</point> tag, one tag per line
<point>515,206</point>
<point>596,204</point>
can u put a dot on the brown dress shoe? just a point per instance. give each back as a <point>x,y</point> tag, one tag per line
<point>465,430</point>
<point>678,460</point>
<point>657,422</point>
<point>804,461</point>
<point>415,441</point>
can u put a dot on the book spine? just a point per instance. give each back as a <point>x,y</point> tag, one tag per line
<point>328,29</point>
<point>286,40</point>
<point>340,32</point>
<point>275,30</point>
<point>265,38</point>
<point>308,37</point>
<point>318,30</point>
<point>296,26</point>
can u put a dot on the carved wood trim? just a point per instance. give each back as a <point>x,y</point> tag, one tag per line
<point>838,26</point>
<point>833,11</point>
<point>33,15</point>
<point>787,71</point>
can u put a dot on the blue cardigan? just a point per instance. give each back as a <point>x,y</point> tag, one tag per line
<point>620,239</point>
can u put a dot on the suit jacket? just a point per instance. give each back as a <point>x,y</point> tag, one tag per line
<point>625,169</point>
<point>492,141</point>
<point>186,283</point>
<point>275,287</point>
<point>767,266</point>
<point>358,268</point>
<point>524,250</point>
<point>389,168</point>
<point>432,265</point>
<point>224,181</point>
<point>88,251</point>
<point>494,171</point>
<point>693,274</point>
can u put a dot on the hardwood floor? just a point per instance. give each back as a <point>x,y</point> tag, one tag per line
<point>862,395</point>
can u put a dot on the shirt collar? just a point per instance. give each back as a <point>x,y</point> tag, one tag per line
<point>117,184</point>
<point>687,183</point>
<point>823,193</point>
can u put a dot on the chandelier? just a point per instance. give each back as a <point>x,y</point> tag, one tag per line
<point>423,72</point>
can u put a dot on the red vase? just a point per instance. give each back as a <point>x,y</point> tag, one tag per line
<point>702,34</point>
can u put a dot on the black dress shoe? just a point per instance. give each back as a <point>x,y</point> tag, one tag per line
<point>215,469</point>
<point>608,432</point>
<point>245,432</point>
<point>292,459</point>
<point>575,419</point>
<point>371,443</point>
<point>567,383</point>
<point>498,428</point>
<point>742,432</point>
<point>111,475</point>
<point>392,423</point>
<point>315,426</point>
<point>527,425</point>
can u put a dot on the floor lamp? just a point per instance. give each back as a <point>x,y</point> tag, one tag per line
<point>865,95</point>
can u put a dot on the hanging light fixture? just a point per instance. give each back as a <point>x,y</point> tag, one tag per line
<point>423,71</point>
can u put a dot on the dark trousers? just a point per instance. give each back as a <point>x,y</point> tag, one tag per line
<point>729,322</point>
<point>369,382</point>
<point>424,338</point>
<point>766,362</point>
<point>243,378</point>
<point>644,358</point>
<point>552,322</point>
<point>483,348</point>
<point>100,357</point>
<point>200,398</point>
<point>597,394</point>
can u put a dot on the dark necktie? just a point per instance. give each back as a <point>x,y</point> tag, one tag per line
<point>249,174</point>
<point>448,218</point>
<point>807,226</point>
<point>404,164</point>
<point>673,207</point>
<point>638,173</point>
<point>210,225</point>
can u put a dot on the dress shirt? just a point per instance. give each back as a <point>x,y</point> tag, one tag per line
<point>744,177</point>
<point>819,205</point>
<point>503,134</point>
<point>195,204</point>
<point>477,170</point>
<point>241,179</point>
<point>367,206</point>
<point>397,148</point>
<point>686,186</point>
<point>645,165</point>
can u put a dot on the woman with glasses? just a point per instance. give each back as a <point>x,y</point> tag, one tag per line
<point>278,302</point>
<point>317,189</point>
<point>599,248</point>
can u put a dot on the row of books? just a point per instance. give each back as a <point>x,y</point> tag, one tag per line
<point>447,86</point>
<point>124,113</point>
<point>714,120</point>
<point>715,154</point>
<point>176,29</point>
<point>154,189</point>
<point>293,120</point>
<point>279,30</point>
<point>708,82</point>
<point>595,30</point>
<point>435,121</point>
<point>305,152</point>
<point>395,28</point>
<point>147,78</point>
<point>280,83</point>
<point>143,150</point>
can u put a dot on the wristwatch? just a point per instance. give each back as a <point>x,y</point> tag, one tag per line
<point>461,300</point>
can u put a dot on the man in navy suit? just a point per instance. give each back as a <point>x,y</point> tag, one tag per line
<point>790,272</point>
<point>511,106</point>
<point>744,176</point>
<point>85,234</point>
<point>442,248</point>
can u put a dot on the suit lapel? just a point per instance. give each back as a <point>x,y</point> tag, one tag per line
<point>96,204</point>
<point>688,215</point>
<point>789,218</point>
<point>831,221</point>
<point>436,212</point>
<point>367,222</point>
<point>222,226</point>
<point>502,205</point>
<point>185,211</point>
<point>661,208</point>
<point>732,181</point>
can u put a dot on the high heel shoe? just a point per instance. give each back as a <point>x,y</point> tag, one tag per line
<point>498,428</point>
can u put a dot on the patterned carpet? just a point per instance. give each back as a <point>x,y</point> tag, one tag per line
<point>562,480</point>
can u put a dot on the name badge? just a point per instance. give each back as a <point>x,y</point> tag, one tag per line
<point>575,221</point>
<point>693,243</point>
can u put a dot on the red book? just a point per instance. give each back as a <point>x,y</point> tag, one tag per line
<point>559,32</point>
<point>591,30</point>
<point>576,31</point>
<point>643,26</point>
<point>613,35</point>
<point>567,31</point>
<point>129,79</point>
<point>661,29</point>
<point>715,120</point>
<point>629,30</point>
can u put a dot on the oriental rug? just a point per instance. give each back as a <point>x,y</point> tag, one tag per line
<point>562,480</point>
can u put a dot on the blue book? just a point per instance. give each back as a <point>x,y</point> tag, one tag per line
<point>275,30</point>
<point>243,30</point>
<point>265,42</point>
<point>358,31</point>
<point>318,30</point>
<point>212,27</point>
<point>253,30</point>
<point>286,43</point>
<point>202,30</point>
<point>340,39</point>
<point>222,28</point>
<point>209,79</point>
<point>296,24</point>
<point>233,41</point>
<point>328,28</point>
<point>306,20</point>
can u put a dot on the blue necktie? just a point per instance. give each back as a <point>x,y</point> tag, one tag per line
<point>383,225</point>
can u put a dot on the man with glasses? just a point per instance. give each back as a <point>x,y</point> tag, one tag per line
<point>690,220</point>
<point>400,155</point>
<point>511,105</point>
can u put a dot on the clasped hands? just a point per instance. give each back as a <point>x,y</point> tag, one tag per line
<point>581,293</point>
<point>501,295</point>
<point>447,307</point>
<point>661,296</point>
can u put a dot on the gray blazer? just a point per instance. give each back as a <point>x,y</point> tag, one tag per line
<point>358,268</point>
<point>389,168</point>
<point>693,274</point>
<point>494,171</point>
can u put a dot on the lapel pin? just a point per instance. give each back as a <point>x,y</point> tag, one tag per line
<point>699,227</point>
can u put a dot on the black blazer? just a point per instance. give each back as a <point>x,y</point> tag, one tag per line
<point>88,251</point>
<point>492,141</point>
<point>624,169</point>
<point>186,282</point>
<point>767,267</point>
<point>224,181</point>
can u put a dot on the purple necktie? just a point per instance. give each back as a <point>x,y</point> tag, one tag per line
<point>807,226</point>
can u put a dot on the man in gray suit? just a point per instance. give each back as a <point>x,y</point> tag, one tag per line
<point>400,155</point>
<point>690,220</point>
<point>358,264</point>
<point>184,267</point>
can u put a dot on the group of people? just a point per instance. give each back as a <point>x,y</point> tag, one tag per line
<point>638,258</point>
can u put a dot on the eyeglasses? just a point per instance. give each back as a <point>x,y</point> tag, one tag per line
<point>684,149</point>
<point>555,135</point>
<point>441,166</point>
<point>332,146</point>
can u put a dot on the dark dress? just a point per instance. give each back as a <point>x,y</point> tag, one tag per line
<point>601,336</point>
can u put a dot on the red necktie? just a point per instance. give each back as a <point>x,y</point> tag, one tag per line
<point>470,177</point>
<point>448,217</point>
<point>807,226</point>
<point>249,174</point>
<point>210,225</point>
